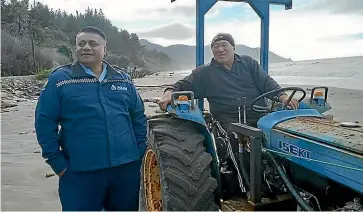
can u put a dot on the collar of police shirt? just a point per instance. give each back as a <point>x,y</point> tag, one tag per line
<point>89,71</point>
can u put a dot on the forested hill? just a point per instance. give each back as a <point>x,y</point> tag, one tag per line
<point>34,38</point>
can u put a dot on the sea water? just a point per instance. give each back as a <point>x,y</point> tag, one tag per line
<point>337,72</point>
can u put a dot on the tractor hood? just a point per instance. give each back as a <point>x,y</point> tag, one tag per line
<point>268,122</point>
<point>349,138</point>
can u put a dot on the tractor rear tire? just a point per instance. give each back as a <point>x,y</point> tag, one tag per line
<point>176,169</point>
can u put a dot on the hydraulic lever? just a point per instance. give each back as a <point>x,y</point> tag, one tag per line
<point>239,103</point>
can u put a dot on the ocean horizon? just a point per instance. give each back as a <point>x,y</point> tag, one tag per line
<point>336,72</point>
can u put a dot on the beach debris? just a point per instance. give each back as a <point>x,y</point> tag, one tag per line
<point>49,174</point>
<point>154,100</point>
<point>152,105</point>
<point>37,151</point>
<point>151,86</point>
<point>20,100</point>
<point>7,104</point>
<point>21,87</point>
<point>4,95</point>
<point>329,117</point>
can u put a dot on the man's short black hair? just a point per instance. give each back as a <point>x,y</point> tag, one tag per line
<point>93,29</point>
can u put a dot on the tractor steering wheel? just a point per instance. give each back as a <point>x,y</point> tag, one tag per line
<point>263,109</point>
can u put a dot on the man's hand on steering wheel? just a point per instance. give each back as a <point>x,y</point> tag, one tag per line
<point>293,104</point>
<point>287,100</point>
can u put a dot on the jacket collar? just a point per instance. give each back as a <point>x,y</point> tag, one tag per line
<point>77,70</point>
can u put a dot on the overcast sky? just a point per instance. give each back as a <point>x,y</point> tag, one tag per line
<point>312,29</point>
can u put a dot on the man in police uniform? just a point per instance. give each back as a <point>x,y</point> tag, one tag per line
<point>97,153</point>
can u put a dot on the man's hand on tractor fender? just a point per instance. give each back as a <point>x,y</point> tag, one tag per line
<point>293,104</point>
<point>165,100</point>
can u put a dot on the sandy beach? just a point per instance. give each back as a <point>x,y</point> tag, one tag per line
<point>24,185</point>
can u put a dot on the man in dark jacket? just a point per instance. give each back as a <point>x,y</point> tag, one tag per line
<point>225,79</point>
<point>98,150</point>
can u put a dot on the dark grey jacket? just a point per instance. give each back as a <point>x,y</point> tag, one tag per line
<point>222,87</point>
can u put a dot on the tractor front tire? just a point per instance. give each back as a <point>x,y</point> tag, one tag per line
<point>176,173</point>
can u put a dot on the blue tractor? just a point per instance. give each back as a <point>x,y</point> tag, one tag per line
<point>293,159</point>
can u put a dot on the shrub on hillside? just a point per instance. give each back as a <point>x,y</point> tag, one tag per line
<point>48,58</point>
<point>66,51</point>
<point>120,61</point>
<point>17,58</point>
<point>41,75</point>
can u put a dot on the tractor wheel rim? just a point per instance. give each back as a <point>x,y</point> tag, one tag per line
<point>152,183</point>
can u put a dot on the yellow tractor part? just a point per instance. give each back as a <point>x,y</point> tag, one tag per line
<point>152,183</point>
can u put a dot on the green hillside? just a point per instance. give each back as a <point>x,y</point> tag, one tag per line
<point>35,38</point>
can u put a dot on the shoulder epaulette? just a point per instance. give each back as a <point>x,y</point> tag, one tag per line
<point>60,67</point>
<point>118,68</point>
<point>122,72</point>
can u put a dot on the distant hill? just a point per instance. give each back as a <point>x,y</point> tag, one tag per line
<point>183,56</point>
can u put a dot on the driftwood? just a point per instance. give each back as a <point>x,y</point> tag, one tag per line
<point>151,100</point>
<point>151,86</point>
<point>49,174</point>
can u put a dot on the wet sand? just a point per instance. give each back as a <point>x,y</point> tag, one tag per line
<point>24,186</point>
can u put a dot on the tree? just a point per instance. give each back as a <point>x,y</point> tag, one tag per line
<point>45,30</point>
<point>64,50</point>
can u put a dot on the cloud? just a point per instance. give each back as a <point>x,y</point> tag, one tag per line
<point>175,31</point>
<point>343,38</point>
<point>296,35</point>
<point>349,7</point>
<point>301,35</point>
<point>182,10</point>
<point>119,9</point>
<point>312,29</point>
